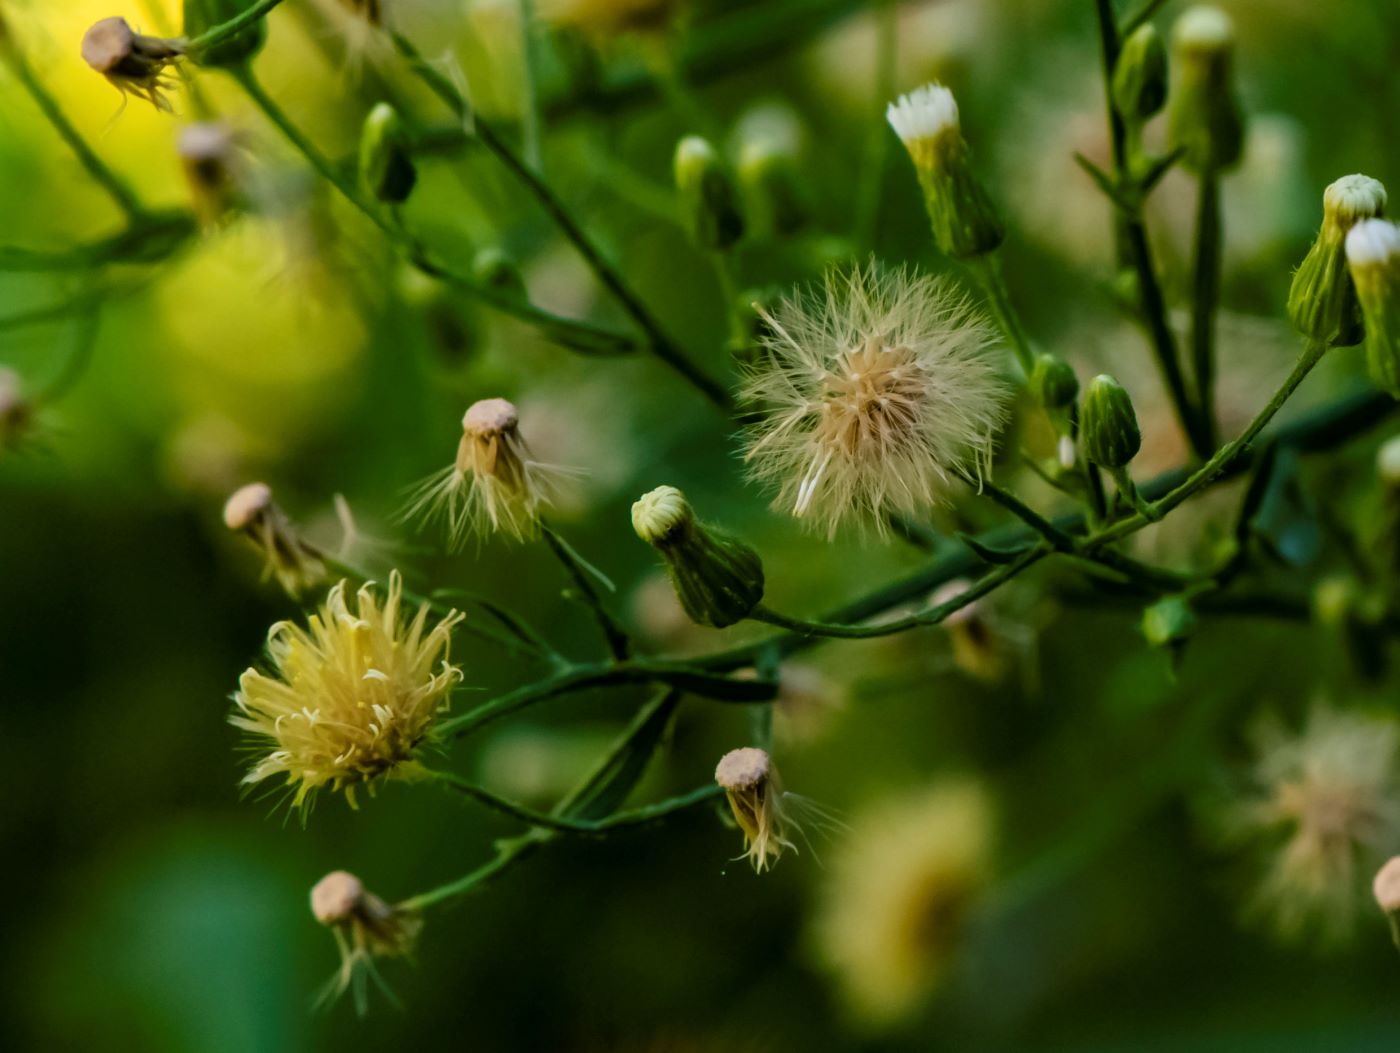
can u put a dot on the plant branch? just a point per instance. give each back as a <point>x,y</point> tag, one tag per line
<point>230,29</point>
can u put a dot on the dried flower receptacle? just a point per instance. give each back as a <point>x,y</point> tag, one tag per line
<point>296,564</point>
<point>351,698</point>
<point>365,928</point>
<point>494,485</point>
<point>133,63</point>
<point>750,783</point>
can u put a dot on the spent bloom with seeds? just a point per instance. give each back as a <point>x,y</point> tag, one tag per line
<point>349,699</point>
<point>879,389</point>
<point>133,63</point>
<point>750,782</point>
<point>1327,803</point>
<point>365,928</point>
<point>493,485</point>
<point>900,890</point>
<point>296,564</point>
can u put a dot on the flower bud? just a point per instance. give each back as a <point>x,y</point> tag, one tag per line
<point>134,64</point>
<point>769,147</point>
<point>1169,621</point>
<point>203,15</point>
<point>1108,424</point>
<point>1203,116</point>
<point>386,167</point>
<point>16,411</point>
<point>1388,464</point>
<point>1053,382</point>
<point>965,223</point>
<point>709,204</point>
<point>1322,301</point>
<point>1386,888</point>
<point>718,579</point>
<point>495,270</point>
<point>1373,254</point>
<point>1140,76</point>
<point>208,155</point>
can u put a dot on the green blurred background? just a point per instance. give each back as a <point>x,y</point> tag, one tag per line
<point>150,908</point>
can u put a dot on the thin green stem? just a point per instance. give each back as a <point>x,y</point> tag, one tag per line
<point>86,327</point>
<point>987,270</point>
<point>661,345</point>
<point>877,144</point>
<point>230,29</point>
<point>931,616</point>
<point>1206,300</point>
<point>583,578</point>
<point>577,336</point>
<point>530,121</point>
<point>683,675</point>
<point>649,813</point>
<point>1224,458</point>
<point>508,853</point>
<point>115,186</point>
<point>1057,538</point>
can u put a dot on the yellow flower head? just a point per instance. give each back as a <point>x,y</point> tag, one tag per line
<point>365,928</point>
<point>350,698</point>
<point>750,782</point>
<point>900,891</point>
<point>492,485</point>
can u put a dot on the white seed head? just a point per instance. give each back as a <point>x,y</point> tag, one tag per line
<point>336,897</point>
<point>1354,197</point>
<point>657,514</point>
<point>1386,886</point>
<point>1204,28</point>
<point>245,506</point>
<point>1373,243</point>
<point>923,113</point>
<point>743,769</point>
<point>490,417</point>
<point>881,387</point>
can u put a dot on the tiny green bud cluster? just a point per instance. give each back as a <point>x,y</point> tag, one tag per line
<point>1322,300</point>
<point>769,146</point>
<point>1203,116</point>
<point>718,579</point>
<point>386,165</point>
<point>709,202</point>
<point>965,222</point>
<point>1140,75</point>
<point>1373,254</point>
<point>1053,382</point>
<point>1108,424</point>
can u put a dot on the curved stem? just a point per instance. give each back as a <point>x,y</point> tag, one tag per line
<point>987,270</point>
<point>931,616</point>
<point>116,187</point>
<point>661,345</point>
<point>231,28</point>
<point>1206,300</point>
<point>648,813</point>
<point>583,577</point>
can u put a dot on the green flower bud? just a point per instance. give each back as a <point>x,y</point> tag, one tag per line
<point>1168,621</point>
<point>965,222</point>
<point>203,15</point>
<point>1322,301</point>
<point>1203,116</point>
<point>1388,464</point>
<point>708,201</point>
<point>1373,254</point>
<point>718,579</point>
<point>386,167</point>
<point>1140,77</point>
<point>769,148</point>
<point>1053,382</point>
<point>495,270</point>
<point>1108,425</point>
